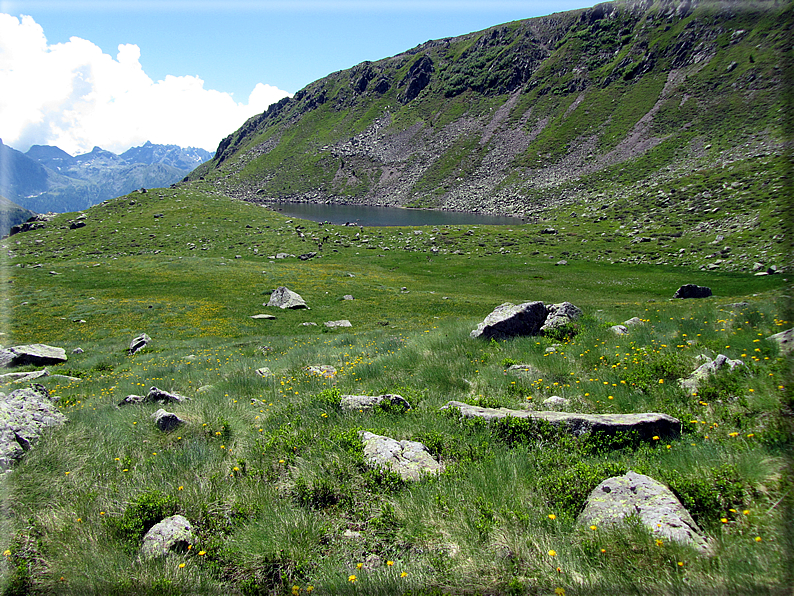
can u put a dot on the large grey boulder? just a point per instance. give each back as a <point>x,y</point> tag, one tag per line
<point>652,502</point>
<point>33,354</point>
<point>509,320</point>
<point>559,315</point>
<point>173,533</point>
<point>409,459</point>
<point>368,402</point>
<point>154,395</point>
<point>692,291</point>
<point>647,425</point>
<point>24,415</point>
<point>705,370</point>
<point>167,421</point>
<point>285,298</point>
<point>138,343</point>
<point>785,340</point>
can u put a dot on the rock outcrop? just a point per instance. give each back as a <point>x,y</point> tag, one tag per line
<point>32,354</point>
<point>646,425</point>
<point>172,534</point>
<point>24,415</point>
<point>285,298</point>
<point>652,502</point>
<point>409,459</point>
<point>368,402</point>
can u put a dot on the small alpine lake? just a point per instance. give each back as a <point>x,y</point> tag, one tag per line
<point>365,215</point>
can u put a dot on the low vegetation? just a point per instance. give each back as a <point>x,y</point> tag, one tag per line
<point>270,471</point>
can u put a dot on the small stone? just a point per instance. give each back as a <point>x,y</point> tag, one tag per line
<point>323,370</point>
<point>139,343</point>
<point>166,421</point>
<point>555,402</point>
<point>340,323</point>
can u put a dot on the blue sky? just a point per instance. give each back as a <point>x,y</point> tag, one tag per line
<point>210,55</point>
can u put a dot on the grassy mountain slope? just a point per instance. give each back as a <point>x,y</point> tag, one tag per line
<point>269,470</point>
<point>564,109</point>
<point>11,214</point>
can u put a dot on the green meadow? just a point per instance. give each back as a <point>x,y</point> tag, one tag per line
<point>270,471</point>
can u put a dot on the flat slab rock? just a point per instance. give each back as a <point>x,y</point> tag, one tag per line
<point>173,533</point>
<point>340,323</point>
<point>647,425</point>
<point>24,415</point>
<point>409,459</point>
<point>35,354</point>
<point>154,395</point>
<point>368,402</point>
<point>656,506</point>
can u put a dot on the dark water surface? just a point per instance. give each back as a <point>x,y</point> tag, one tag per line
<point>387,216</point>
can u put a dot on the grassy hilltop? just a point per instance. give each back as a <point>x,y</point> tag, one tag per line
<point>270,471</point>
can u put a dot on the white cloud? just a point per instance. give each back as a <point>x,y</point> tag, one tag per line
<point>74,96</point>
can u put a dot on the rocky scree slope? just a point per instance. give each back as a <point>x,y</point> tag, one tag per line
<point>585,107</point>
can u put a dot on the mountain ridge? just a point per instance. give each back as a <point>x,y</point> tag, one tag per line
<point>46,178</point>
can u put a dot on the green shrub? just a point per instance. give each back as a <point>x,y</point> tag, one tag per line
<point>708,496</point>
<point>318,494</point>
<point>669,366</point>
<point>723,385</point>
<point>567,487</point>
<point>140,515</point>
